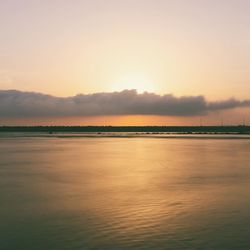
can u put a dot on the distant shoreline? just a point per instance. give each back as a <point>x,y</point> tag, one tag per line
<point>147,130</point>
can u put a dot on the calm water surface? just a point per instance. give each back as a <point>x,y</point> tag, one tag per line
<point>124,193</point>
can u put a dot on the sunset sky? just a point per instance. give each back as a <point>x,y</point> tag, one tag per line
<point>179,48</point>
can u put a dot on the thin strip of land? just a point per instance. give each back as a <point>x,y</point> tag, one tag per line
<point>241,129</point>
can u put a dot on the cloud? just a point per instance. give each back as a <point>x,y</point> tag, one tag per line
<point>15,103</point>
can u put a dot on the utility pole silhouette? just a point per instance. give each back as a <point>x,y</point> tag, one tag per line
<point>244,121</point>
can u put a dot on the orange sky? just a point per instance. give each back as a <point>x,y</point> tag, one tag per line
<point>235,117</point>
<point>181,47</point>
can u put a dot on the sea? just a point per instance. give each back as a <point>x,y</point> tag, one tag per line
<point>124,191</point>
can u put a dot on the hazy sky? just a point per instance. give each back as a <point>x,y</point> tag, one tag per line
<point>183,47</point>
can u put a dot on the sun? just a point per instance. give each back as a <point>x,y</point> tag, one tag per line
<point>140,82</point>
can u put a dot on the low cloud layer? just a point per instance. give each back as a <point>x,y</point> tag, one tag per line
<point>128,102</point>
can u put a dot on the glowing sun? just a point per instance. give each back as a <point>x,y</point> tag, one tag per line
<point>141,83</point>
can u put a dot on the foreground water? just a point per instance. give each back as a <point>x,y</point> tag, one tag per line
<point>124,193</point>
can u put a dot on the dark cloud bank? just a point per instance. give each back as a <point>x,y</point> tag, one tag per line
<point>128,102</point>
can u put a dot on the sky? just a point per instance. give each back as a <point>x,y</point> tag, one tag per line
<point>179,48</point>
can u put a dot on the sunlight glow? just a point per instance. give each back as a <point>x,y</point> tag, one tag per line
<point>140,82</point>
